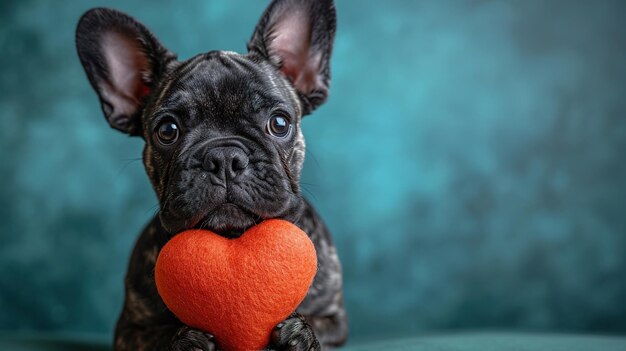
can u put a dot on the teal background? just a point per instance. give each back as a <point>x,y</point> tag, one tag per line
<point>470,162</point>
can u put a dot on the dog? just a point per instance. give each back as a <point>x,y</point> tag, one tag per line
<point>223,150</point>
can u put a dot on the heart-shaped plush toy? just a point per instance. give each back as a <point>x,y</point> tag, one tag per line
<point>237,289</point>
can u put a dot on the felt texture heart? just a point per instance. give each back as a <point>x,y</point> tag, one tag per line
<point>237,289</point>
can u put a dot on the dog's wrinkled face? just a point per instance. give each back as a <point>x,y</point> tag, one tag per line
<point>223,147</point>
<point>223,144</point>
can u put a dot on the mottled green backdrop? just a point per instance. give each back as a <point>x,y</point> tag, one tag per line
<point>470,162</point>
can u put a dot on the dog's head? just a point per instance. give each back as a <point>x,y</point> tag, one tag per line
<point>223,144</point>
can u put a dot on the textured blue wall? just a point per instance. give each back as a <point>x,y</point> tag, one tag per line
<point>470,162</point>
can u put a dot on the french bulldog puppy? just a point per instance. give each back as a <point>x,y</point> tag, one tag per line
<point>223,150</point>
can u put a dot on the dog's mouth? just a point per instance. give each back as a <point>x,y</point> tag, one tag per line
<point>228,220</point>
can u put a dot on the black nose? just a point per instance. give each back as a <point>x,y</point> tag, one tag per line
<point>226,162</point>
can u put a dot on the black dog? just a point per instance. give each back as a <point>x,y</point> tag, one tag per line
<point>223,150</point>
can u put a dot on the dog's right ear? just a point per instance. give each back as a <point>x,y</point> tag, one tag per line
<point>123,61</point>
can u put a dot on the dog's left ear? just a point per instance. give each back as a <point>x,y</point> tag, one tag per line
<point>296,36</point>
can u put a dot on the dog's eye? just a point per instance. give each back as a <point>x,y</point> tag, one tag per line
<point>167,132</point>
<point>278,126</point>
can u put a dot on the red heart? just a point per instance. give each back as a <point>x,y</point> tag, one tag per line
<point>236,289</point>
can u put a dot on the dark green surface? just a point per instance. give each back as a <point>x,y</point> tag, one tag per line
<point>461,342</point>
<point>52,342</point>
<point>497,342</point>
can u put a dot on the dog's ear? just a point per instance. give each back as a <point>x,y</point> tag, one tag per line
<point>123,61</point>
<point>297,37</point>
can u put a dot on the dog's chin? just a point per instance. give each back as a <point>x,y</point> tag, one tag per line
<point>228,220</point>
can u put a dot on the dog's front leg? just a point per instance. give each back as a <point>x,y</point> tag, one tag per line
<point>145,322</point>
<point>167,337</point>
<point>294,334</point>
<point>331,331</point>
<point>328,319</point>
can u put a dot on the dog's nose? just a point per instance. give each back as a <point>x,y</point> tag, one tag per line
<point>226,162</point>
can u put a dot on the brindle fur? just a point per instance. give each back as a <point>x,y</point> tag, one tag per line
<point>146,324</point>
<point>217,95</point>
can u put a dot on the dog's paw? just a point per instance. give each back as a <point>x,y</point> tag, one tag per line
<point>294,334</point>
<point>189,339</point>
